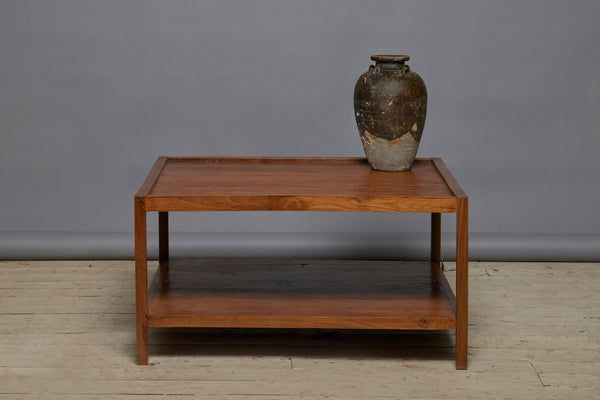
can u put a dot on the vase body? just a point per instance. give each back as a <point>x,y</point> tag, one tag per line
<point>390,104</point>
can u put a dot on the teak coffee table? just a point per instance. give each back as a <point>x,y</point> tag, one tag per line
<point>240,293</point>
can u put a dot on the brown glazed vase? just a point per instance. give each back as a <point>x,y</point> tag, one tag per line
<point>390,103</point>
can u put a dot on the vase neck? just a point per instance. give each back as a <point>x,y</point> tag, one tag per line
<point>390,66</point>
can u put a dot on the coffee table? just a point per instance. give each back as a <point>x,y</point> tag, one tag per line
<point>355,294</point>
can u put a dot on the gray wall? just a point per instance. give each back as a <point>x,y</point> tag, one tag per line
<point>91,92</point>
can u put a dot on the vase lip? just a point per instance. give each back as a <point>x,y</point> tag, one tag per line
<point>390,58</point>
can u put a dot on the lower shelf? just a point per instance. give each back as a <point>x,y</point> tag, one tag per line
<point>243,293</point>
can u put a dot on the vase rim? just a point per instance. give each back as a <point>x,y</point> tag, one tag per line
<point>390,58</point>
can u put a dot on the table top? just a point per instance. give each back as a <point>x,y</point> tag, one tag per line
<point>296,184</point>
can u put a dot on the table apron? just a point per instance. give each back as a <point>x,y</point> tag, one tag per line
<point>296,203</point>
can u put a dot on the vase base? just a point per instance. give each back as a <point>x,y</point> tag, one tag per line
<point>390,155</point>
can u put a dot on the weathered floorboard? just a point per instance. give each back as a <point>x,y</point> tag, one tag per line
<point>67,331</point>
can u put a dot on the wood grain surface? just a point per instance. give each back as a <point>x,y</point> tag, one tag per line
<point>301,294</point>
<point>295,184</point>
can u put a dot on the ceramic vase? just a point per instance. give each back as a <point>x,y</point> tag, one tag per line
<point>390,104</point>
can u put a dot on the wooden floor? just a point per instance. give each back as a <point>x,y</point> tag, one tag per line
<point>67,331</point>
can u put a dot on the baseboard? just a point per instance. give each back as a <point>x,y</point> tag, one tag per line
<point>113,245</point>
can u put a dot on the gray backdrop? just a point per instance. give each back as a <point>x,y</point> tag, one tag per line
<point>91,92</point>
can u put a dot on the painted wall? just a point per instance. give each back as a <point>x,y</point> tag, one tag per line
<point>91,92</point>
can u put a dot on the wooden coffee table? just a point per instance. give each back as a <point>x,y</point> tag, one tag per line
<point>246,293</point>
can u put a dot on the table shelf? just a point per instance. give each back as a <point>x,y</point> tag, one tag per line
<point>342,294</point>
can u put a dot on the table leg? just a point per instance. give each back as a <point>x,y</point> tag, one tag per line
<point>163,236</point>
<point>462,283</point>
<point>141,282</point>
<point>436,241</point>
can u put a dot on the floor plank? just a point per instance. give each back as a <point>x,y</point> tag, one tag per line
<point>67,331</point>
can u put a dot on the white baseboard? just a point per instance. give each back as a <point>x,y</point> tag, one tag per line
<point>115,245</point>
